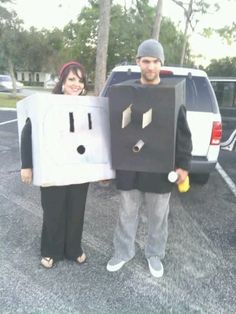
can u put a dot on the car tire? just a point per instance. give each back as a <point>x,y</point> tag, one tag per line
<point>200,178</point>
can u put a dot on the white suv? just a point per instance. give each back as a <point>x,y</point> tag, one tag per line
<point>202,114</point>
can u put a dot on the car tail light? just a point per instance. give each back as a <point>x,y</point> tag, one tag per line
<point>216,133</point>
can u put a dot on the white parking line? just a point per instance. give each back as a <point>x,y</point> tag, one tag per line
<point>7,109</point>
<point>226,178</point>
<point>9,121</point>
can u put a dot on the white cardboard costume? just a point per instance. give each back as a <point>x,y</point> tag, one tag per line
<point>70,138</point>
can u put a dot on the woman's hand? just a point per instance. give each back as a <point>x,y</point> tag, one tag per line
<point>104,182</point>
<point>26,175</point>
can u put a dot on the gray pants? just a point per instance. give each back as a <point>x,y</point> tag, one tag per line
<point>157,206</point>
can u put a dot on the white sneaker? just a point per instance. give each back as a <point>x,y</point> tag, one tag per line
<point>155,266</point>
<point>115,264</point>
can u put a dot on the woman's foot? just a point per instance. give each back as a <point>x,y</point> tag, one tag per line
<point>81,259</point>
<point>47,262</point>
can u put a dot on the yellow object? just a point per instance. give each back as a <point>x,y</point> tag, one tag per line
<point>184,186</point>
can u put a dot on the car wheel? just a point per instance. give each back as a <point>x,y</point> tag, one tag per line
<point>200,178</point>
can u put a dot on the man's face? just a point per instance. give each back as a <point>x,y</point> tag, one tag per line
<point>150,69</point>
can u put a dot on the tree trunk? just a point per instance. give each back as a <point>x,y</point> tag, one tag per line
<point>12,74</point>
<point>188,15</point>
<point>157,23</point>
<point>102,44</point>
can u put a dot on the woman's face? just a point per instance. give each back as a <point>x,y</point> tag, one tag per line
<point>73,84</point>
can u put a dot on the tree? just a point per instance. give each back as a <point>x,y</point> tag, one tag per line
<point>102,44</point>
<point>223,67</point>
<point>128,28</point>
<point>172,41</point>
<point>227,33</point>
<point>43,50</point>
<point>54,51</point>
<point>80,38</point>
<point>191,8</point>
<point>10,36</point>
<point>5,15</point>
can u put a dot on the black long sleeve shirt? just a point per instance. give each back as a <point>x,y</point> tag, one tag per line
<point>26,146</point>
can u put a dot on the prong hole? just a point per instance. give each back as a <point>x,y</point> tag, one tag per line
<point>81,149</point>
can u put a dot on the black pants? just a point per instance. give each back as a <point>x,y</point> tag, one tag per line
<point>63,219</point>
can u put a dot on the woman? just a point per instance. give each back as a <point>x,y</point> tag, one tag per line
<point>63,206</point>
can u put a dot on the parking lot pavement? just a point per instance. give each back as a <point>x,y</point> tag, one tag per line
<point>228,161</point>
<point>199,265</point>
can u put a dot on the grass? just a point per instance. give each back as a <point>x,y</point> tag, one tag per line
<point>8,101</point>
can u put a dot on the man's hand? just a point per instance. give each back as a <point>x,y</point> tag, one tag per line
<point>182,174</point>
<point>26,175</point>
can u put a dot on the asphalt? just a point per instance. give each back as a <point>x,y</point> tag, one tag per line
<point>200,273</point>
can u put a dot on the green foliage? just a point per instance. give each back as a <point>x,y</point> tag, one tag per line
<point>128,28</point>
<point>228,33</point>
<point>32,54</point>
<point>81,37</point>
<point>222,67</point>
<point>172,41</point>
<point>54,47</point>
<point>4,13</point>
<point>10,37</point>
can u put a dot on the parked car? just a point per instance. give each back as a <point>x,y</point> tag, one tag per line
<point>6,84</point>
<point>203,114</point>
<point>225,90</point>
<point>51,83</point>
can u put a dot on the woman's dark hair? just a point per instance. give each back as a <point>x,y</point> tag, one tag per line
<point>65,70</point>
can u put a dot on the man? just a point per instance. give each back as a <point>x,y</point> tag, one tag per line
<point>152,188</point>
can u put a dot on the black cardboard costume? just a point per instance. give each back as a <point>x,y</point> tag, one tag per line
<point>156,116</point>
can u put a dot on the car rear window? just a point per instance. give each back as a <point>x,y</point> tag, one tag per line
<point>225,93</point>
<point>118,77</point>
<point>199,93</point>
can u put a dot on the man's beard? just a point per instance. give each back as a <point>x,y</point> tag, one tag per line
<point>150,77</point>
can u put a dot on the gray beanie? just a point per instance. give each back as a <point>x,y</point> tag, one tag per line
<point>151,48</point>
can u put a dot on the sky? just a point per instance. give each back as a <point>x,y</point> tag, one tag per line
<point>57,13</point>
